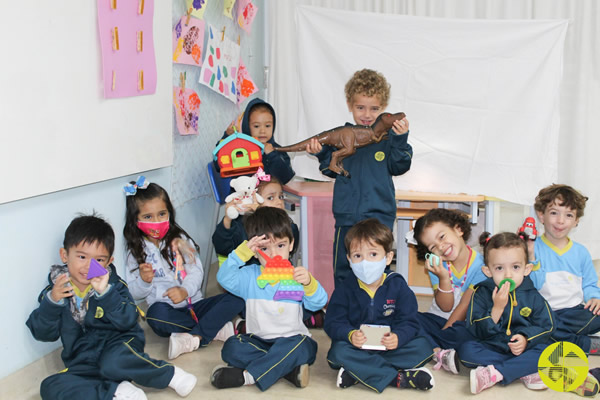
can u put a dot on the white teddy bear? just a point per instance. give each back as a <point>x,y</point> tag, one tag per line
<point>245,187</point>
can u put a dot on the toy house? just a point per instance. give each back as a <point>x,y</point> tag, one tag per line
<point>239,154</point>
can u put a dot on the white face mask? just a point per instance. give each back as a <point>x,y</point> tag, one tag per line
<point>369,271</point>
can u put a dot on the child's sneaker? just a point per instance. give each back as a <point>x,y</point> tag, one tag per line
<point>344,379</point>
<point>418,378</point>
<point>239,326</point>
<point>534,382</point>
<point>594,346</point>
<point>299,376</point>
<point>588,388</point>
<point>225,332</point>
<point>316,320</point>
<point>224,377</point>
<point>483,378</point>
<point>180,343</point>
<point>182,382</point>
<point>127,391</point>
<point>447,359</point>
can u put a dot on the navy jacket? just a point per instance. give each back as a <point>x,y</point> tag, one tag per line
<point>275,163</point>
<point>111,318</point>
<point>394,304</point>
<point>531,317</point>
<point>369,191</point>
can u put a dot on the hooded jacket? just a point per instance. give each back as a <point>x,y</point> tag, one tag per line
<point>275,163</point>
<point>526,313</point>
<point>393,304</point>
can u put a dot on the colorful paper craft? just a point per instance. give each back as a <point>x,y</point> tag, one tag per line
<point>282,271</point>
<point>188,40</point>
<point>95,269</point>
<point>187,109</point>
<point>246,12</point>
<point>245,84</point>
<point>220,67</point>
<point>198,7</point>
<point>127,47</point>
<point>227,8</point>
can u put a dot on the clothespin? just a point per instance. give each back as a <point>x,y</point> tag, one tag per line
<point>113,4</point>
<point>140,7</point>
<point>141,80</point>
<point>189,14</point>
<point>114,80</point>
<point>238,40</point>
<point>223,35</point>
<point>182,77</point>
<point>140,41</point>
<point>115,37</point>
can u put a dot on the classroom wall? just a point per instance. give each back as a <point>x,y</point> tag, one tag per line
<point>32,229</point>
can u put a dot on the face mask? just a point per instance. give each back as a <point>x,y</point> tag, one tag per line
<point>156,230</point>
<point>369,271</point>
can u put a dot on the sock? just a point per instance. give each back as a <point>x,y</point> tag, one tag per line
<point>248,379</point>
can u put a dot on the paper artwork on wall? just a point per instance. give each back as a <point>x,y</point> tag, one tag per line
<point>228,7</point>
<point>245,84</point>
<point>220,67</point>
<point>187,107</point>
<point>188,40</point>
<point>127,47</point>
<point>198,7</point>
<point>246,12</point>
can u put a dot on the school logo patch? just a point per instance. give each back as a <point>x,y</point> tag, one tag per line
<point>525,311</point>
<point>389,307</point>
<point>380,156</point>
<point>388,312</point>
<point>99,312</point>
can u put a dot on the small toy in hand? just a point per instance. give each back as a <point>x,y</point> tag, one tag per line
<point>180,275</point>
<point>528,231</point>
<point>282,271</point>
<point>245,188</point>
<point>95,269</point>
<point>512,284</point>
<point>433,259</point>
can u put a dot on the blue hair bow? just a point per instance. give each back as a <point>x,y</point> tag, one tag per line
<point>131,188</point>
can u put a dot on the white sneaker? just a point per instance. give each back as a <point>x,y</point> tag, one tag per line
<point>446,359</point>
<point>180,343</point>
<point>182,382</point>
<point>226,332</point>
<point>534,382</point>
<point>127,391</point>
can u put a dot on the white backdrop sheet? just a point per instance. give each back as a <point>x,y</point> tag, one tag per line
<point>482,96</point>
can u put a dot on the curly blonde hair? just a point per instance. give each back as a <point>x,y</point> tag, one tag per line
<point>368,83</point>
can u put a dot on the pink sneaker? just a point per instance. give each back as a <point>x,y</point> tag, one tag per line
<point>534,382</point>
<point>446,359</point>
<point>483,378</point>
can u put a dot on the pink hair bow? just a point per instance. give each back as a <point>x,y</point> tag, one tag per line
<point>260,174</point>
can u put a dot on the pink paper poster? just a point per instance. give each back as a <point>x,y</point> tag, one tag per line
<point>188,40</point>
<point>198,7</point>
<point>246,86</point>
<point>246,12</point>
<point>187,107</point>
<point>220,67</point>
<point>127,45</point>
<point>228,7</point>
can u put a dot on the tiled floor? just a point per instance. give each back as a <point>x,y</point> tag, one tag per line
<point>24,384</point>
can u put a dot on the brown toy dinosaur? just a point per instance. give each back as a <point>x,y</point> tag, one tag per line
<point>348,138</point>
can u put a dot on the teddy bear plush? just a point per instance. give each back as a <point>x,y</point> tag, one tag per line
<point>244,187</point>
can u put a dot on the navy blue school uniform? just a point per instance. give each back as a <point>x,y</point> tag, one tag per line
<point>527,314</point>
<point>101,352</point>
<point>275,163</point>
<point>368,192</point>
<point>393,304</point>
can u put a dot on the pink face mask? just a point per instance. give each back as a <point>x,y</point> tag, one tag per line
<point>156,230</point>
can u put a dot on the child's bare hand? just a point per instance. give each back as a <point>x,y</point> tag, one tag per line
<point>500,297</point>
<point>400,127</point>
<point>517,344</point>
<point>62,288</point>
<point>100,283</point>
<point>438,270</point>
<point>358,338</point>
<point>593,305</point>
<point>256,242</point>
<point>268,148</point>
<point>229,130</point>
<point>177,294</point>
<point>301,275</point>
<point>314,147</point>
<point>390,341</point>
<point>146,272</point>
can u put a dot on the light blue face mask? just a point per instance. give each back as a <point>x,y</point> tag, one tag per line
<point>369,271</point>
